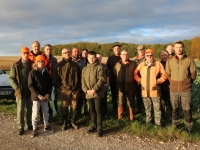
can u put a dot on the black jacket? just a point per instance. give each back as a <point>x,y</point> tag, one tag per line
<point>39,83</point>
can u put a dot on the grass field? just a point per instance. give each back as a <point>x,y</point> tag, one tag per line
<point>7,61</point>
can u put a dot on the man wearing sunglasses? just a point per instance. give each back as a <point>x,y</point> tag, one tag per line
<point>152,75</point>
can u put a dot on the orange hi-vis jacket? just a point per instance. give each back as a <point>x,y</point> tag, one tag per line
<point>151,78</point>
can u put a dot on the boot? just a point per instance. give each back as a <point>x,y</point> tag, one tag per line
<point>64,125</point>
<point>73,117</point>
<point>64,112</point>
<point>131,112</point>
<point>120,112</point>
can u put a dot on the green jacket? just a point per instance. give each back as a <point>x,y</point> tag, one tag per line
<point>181,73</point>
<point>15,80</point>
<point>93,78</point>
<point>67,75</point>
<point>130,83</point>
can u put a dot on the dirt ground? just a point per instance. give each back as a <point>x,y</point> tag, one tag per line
<point>78,139</point>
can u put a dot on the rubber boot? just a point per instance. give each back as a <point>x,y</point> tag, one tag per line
<point>73,117</point>
<point>120,112</point>
<point>131,113</point>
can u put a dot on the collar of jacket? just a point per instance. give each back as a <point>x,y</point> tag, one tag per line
<point>93,64</point>
<point>152,64</point>
<point>75,60</point>
<point>137,57</point>
<point>40,53</point>
<point>67,60</point>
<point>183,56</point>
<point>120,61</point>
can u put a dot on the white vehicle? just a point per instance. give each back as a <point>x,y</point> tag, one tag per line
<point>6,91</point>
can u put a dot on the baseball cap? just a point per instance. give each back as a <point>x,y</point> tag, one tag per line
<point>24,49</point>
<point>149,51</point>
<point>140,47</point>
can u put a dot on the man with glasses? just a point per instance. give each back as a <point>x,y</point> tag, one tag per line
<point>67,78</point>
<point>125,84</point>
<point>152,74</point>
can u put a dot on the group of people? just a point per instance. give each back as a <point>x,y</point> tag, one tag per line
<point>83,81</point>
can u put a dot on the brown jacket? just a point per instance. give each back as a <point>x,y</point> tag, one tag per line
<point>181,73</point>
<point>151,78</point>
<point>67,74</point>
<point>130,82</point>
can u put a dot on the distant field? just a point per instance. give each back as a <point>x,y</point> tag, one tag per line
<point>7,61</point>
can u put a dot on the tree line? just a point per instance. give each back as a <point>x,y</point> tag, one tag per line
<point>192,47</point>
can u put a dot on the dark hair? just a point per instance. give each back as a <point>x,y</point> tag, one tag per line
<point>85,49</point>
<point>179,42</point>
<point>48,45</point>
<point>165,51</point>
<point>92,53</point>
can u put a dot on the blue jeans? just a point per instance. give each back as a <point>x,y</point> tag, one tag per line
<point>54,95</point>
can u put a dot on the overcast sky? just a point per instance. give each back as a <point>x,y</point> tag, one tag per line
<point>102,21</point>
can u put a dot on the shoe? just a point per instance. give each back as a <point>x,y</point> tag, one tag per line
<point>49,129</point>
<point>74,125</point>
<point>21,131</point>
<point>99,132</point>
<point>92,129</point>
<point>34,133</point>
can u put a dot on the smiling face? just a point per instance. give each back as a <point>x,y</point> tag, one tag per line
<point>36,47</point>
<point>164,56</point>
<point>149,57</point>
<point>75,53</point>
<point>124,56</point>
<point>178,48</point>
<point>66,53</point>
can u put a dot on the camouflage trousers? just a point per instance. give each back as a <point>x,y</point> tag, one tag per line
<point>155,103</point>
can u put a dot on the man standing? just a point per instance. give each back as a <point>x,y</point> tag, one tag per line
<point>93,79</point>
<point>52,61</point>
<point>112,60</point>
<point>125,83</point>
<point>32,56</point>
<point>139,59</point>
<point>82,103</point>
<point>19,81</point>
<point>152,75</point>
<point>67,78</point>
<point>181,71</point>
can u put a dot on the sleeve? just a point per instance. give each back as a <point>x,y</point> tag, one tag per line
<point>100,80</point>
<point>136,76</point>
<point>12,77</point>
<point>56,77</point>
<point>193,70</point>
<point>83,82</point>
<point>163,76</point>
<point>34,93</point>
<point>167,69</point>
